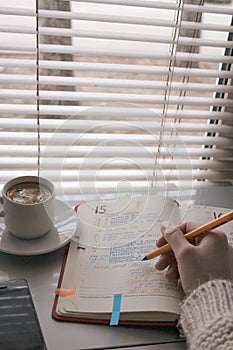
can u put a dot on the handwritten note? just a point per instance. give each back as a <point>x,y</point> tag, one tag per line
<point>124,221</point>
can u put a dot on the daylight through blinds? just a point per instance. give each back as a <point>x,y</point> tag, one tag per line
<point>111,95</point>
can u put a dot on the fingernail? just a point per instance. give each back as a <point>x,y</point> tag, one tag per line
<point>166,224</point>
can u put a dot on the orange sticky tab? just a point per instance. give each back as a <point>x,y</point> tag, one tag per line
<point>64,292</point>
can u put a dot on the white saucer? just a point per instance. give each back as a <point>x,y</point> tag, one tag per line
<point>65,227</point>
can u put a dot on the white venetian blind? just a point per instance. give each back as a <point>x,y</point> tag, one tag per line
<point>116,94</point>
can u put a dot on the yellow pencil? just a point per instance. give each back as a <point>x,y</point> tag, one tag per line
<point>223,219</point>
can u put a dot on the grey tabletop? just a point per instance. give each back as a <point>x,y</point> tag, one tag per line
<point>42,272</point>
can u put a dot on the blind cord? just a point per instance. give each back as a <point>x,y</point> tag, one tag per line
<point>38,88</point>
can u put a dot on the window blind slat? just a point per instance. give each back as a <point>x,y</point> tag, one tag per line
<point>128,53</point>
<point>114,83</point>
<point>25,48</point>
<point>111,97</point>
<point>119,139</point>
<point>110,181</point>
<point>108,19</point>
<point>83,151</point>
<point>136,3</point>
<point>121,68</point>
<point>131,37</point>
<point>115,164</point>
<point>141,127</point>
<point>15,11</point>
<point>103,112</point>
<point>98,52</point>
<point>161,5</point>
<point>17,29</point>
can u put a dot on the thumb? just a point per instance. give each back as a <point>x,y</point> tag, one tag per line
<point>174,236</point>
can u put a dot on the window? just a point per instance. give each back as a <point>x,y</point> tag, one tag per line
<point>115,95</point>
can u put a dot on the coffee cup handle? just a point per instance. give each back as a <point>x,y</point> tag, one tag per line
<point>1,210</point>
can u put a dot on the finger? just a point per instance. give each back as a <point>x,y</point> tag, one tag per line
<point>184,227</point>
<point>179,283</point>
<point>199,238</point>
<point>175,237</point>
<point>215,237</point>
<point>188,226</point>
<point>172,273</point>
<point>161,241</point>
<point>164,261</point>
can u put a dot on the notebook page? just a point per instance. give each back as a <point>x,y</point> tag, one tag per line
<point>118,269</point>
<point>203,214</point>
<point>124,220</point>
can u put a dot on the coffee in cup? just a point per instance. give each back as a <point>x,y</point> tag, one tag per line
<point>28,193</point>
<point>28,206</point>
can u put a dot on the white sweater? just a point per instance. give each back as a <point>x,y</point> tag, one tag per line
<point>207,316</point>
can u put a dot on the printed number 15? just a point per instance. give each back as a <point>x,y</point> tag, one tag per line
<point>100,209</point>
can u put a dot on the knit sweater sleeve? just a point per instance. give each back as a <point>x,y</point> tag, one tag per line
<point>207,316</point>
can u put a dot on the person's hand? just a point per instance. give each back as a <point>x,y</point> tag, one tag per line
<point>209,256</point>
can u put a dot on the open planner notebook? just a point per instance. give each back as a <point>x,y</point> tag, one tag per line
<point>104,268</point>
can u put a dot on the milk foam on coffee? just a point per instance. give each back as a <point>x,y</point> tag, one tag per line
<point>28,193</point>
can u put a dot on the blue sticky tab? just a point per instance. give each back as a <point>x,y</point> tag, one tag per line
<point>116,308</point>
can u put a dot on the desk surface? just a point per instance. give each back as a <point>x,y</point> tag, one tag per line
<point>42,273</point>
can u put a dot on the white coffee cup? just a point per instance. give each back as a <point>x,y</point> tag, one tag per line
<point>27,219</point>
